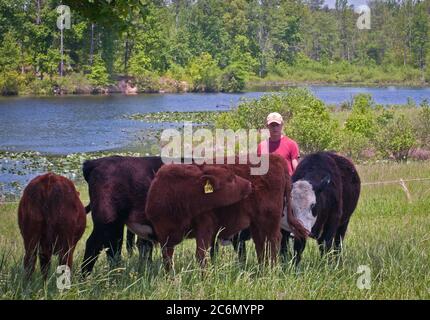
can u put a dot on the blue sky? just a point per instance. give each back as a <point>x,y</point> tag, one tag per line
<point>354,2</point>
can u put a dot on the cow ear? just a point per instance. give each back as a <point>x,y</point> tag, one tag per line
<point>209,183</point>
<point>323,184</point>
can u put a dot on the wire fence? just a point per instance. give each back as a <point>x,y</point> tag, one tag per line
<point>373,183</point>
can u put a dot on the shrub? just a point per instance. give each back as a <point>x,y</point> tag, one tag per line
<point>177,72</point>
<point>76,83</point>
<point>313,128</point>
<point>99,75</point>
<point>41,87</point>
<point>139,64</point>
<point>396,138</point>
<point>10,82</point>
<point>251,114</point>
<point>204,73</point>
<point>422,125</point>
<point>362,119</point>
<point>306,118</point>
<point>353,144</point>
<point>148,81</point>
<point>233,79</point>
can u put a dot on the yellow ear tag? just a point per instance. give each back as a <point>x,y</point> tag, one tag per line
<point>208,187</point>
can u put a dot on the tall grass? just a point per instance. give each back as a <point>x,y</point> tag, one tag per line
<point>387,233</point>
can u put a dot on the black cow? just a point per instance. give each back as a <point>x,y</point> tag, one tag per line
<point>117,188</point>
<point>325,192</point>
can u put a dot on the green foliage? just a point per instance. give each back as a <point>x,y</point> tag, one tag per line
<point>49,62</point>
<point>251,114</point>
<point>353,144</point>
<point>396,138</point>
<point>9,53</point>
<point>75,83</point>
<point>41,87</point>
<point>10,83</point>
<point>233,79</point>
<point>241,66</point>
<point>204,73</point>
<point>313,128</point>
<point>139,64</point>
<point>296,41</point>
<point>422,125</point>
<point>147,81</point>
<point>306,118</point>
<point>99,75</point>
<point>359,127</point>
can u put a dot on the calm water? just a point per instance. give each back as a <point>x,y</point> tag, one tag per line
<point>63,125</point>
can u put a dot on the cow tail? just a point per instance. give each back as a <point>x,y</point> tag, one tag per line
<point>87,168</point>
<point>298,229</point>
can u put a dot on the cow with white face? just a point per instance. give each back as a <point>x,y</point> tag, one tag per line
<point>325,192</point>
<point>304,198</point>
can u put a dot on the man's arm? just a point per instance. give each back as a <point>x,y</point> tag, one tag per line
<point>294,162</point>
<point>295,155</point>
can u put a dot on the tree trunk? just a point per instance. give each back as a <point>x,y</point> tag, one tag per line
<point>92,45</point>
<point>38,7</point>
<point>126,54</point>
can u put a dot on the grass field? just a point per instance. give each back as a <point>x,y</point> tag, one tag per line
<point>388,233</point>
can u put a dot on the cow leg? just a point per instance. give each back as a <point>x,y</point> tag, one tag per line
<point>214,249</point>
<point>31,247</point>
<point>66,256</point>
<point>239,246</point>
<point>130,242</point>
<point>203,244</point>
<point>167,252</point>
<point>45,254</point>
<point>299,247</point>
<point>260,243</point>
<point>284,244</point>
<point>145,248</point>
<point>327,238</point>
<point>93,247</point>
<point>113,237</point>
<point>340,235</point>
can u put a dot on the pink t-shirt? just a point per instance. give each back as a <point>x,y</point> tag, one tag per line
<point>285,147</point>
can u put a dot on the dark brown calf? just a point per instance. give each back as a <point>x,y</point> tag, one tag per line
<point>182,195</point>
<point>51,219</point>
<point>261,212</point>
<point>117,187</point>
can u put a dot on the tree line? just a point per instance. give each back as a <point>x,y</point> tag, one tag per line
<point>209,45</point>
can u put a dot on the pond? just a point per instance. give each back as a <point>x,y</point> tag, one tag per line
<point>70,124</point>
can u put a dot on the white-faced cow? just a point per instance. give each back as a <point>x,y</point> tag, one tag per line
<point>325,192</point>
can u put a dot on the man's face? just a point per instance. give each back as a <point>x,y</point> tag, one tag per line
<point>275,130</point>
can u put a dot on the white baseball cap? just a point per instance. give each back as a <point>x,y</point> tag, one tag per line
<point>274,117</point>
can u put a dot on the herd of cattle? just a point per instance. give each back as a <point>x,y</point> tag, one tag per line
<point>166,203</point>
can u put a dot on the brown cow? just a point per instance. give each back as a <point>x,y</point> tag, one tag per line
<point>51,219</point>
<point>261,211</point>
<point>180,193</point>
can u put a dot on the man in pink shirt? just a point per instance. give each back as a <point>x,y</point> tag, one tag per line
<point>278,143</point>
